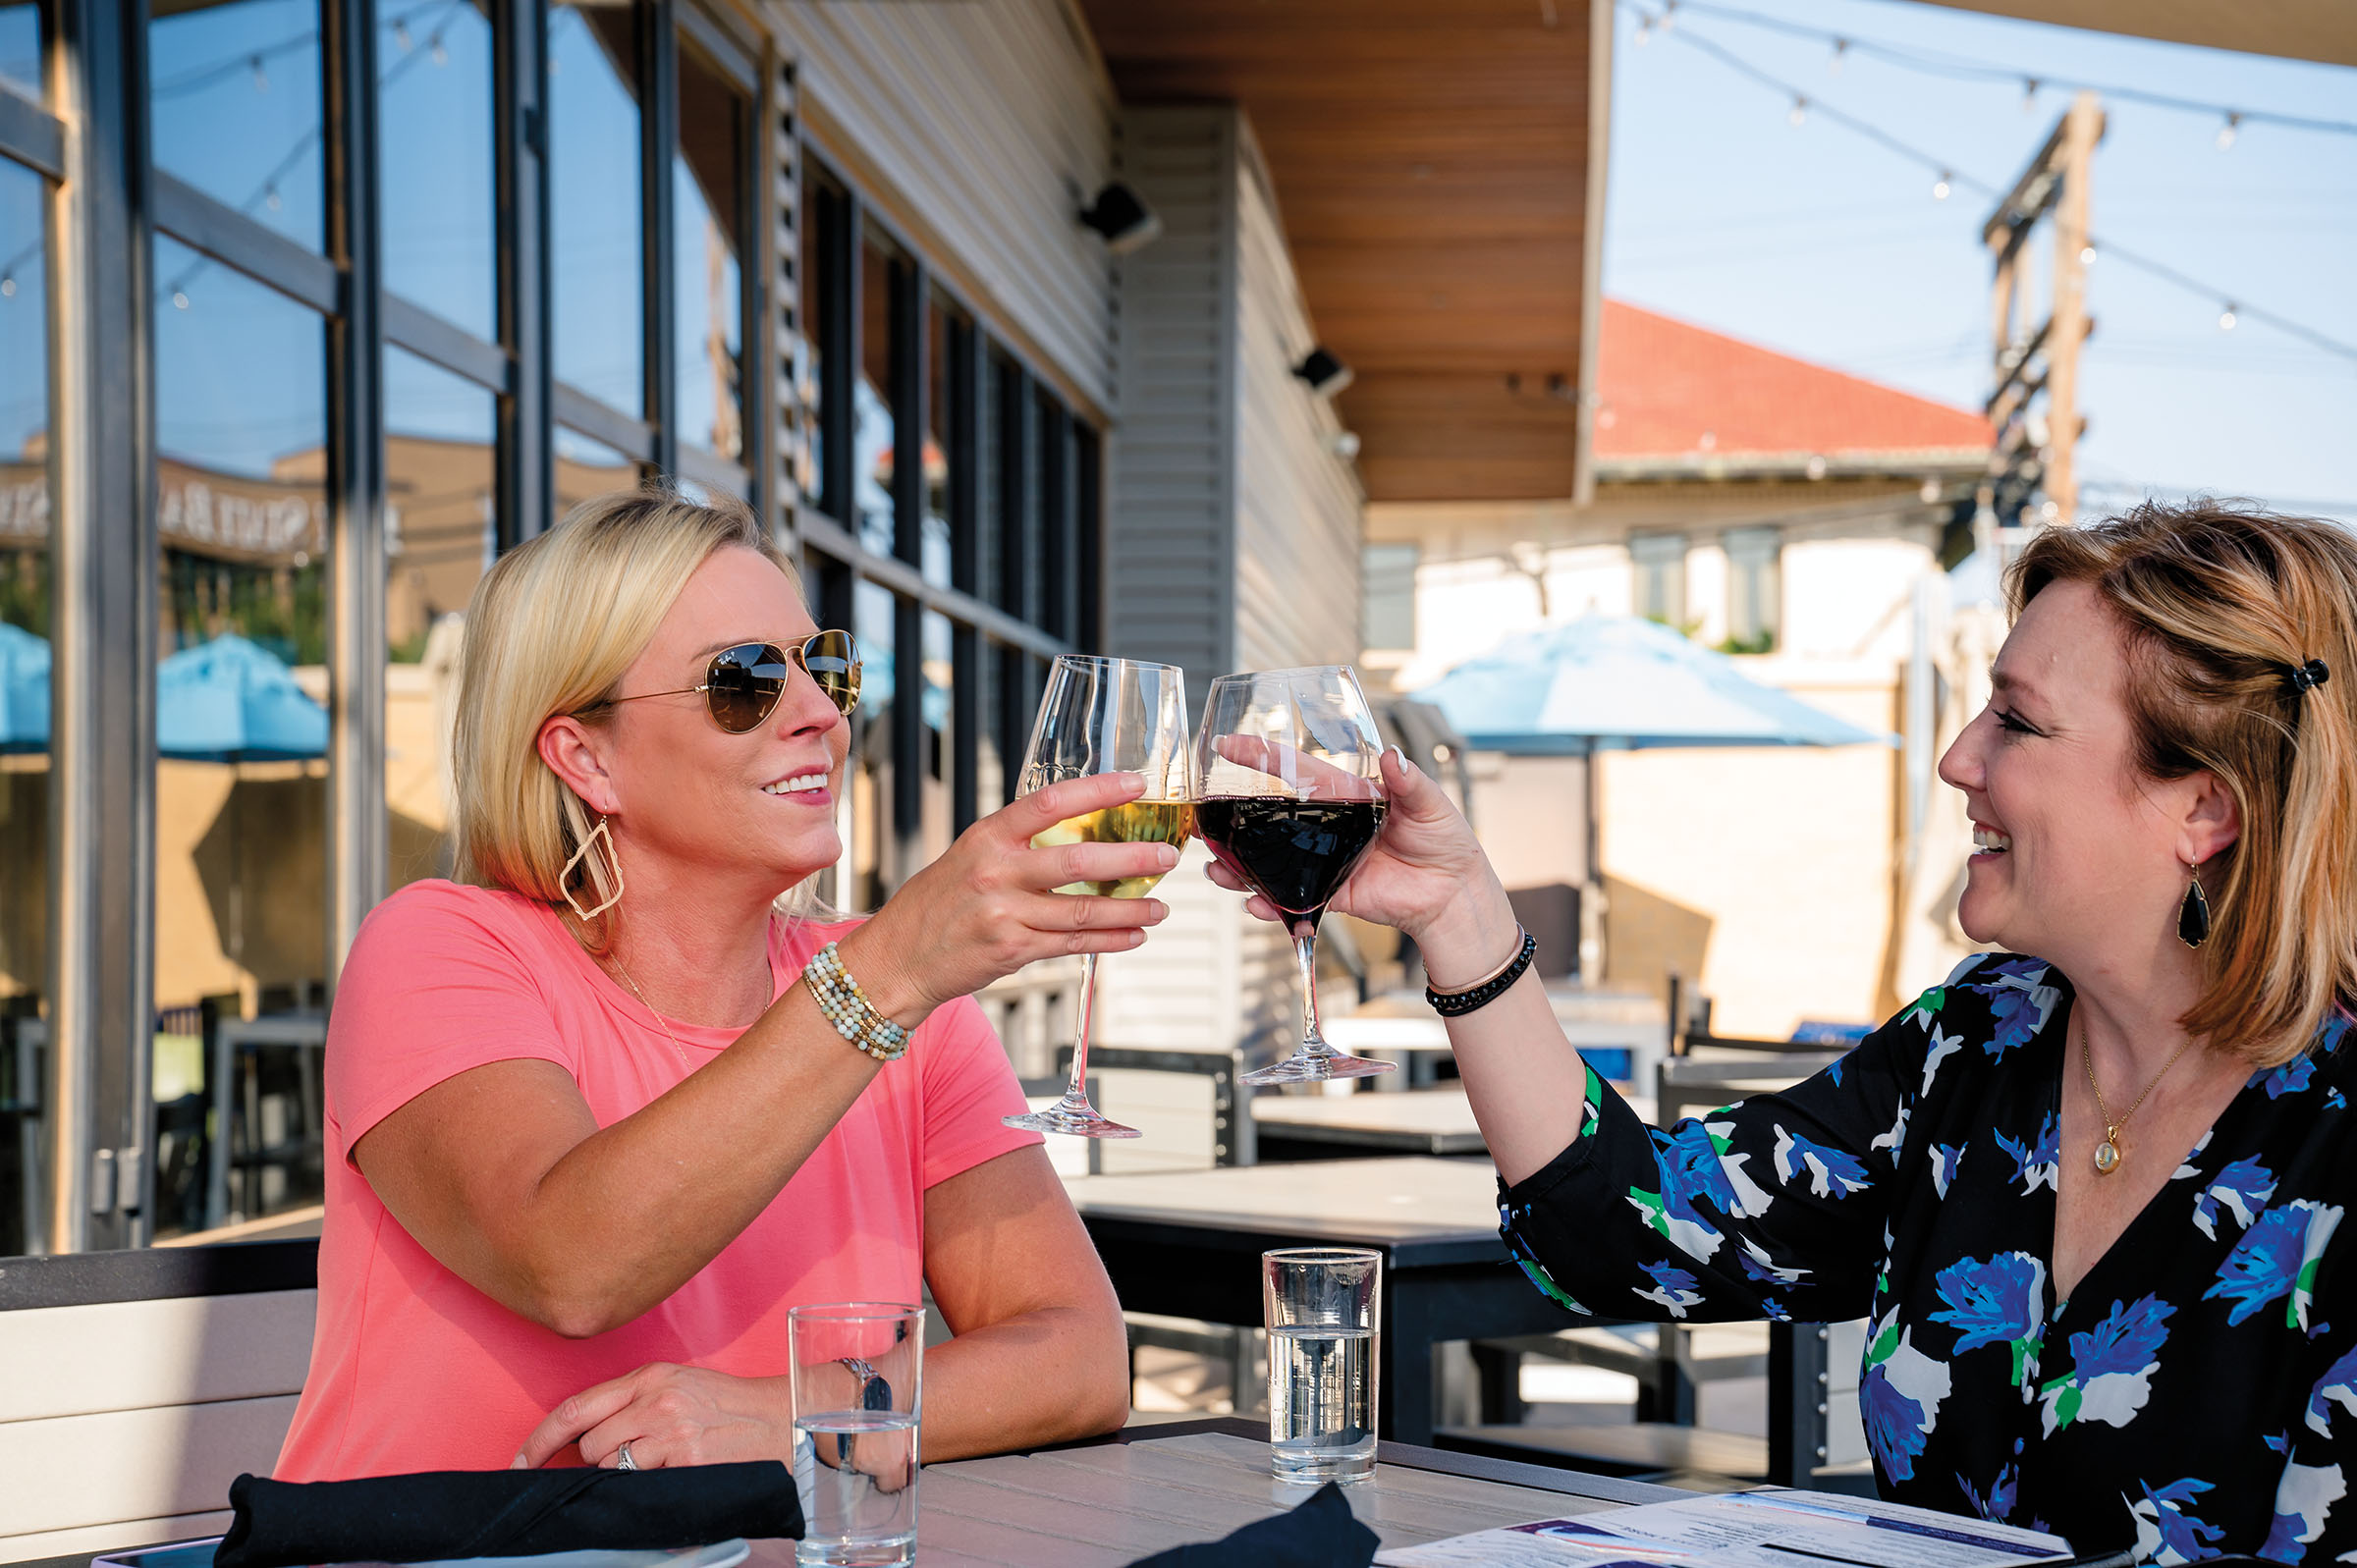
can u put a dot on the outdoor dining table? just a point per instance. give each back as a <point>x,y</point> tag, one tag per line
<point>1187,1244</point>
<point>1107,1502</point>
<point>1420,1121</point>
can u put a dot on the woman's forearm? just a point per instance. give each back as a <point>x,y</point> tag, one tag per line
<point>1049,1376</point>
<point>1525,1080</point>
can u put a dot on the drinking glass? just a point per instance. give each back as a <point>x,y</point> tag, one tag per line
<point>857,1369</point>
<point>1288,795</point>
<point>1322,1306</point>
<point>1108,716</point>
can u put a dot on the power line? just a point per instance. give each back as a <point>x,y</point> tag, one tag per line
<point>1939,63</point>
<point>1947,172</point>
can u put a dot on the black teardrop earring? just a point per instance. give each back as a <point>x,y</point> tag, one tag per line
<point>2193,915</point>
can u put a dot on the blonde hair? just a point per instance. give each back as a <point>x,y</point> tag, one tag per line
<point>2222,604</point>
<point>551,629</point>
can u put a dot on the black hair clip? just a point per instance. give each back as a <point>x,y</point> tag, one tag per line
<point>2311,675</point>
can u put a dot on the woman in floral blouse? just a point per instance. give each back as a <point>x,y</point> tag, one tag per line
<point>2089,1202</point>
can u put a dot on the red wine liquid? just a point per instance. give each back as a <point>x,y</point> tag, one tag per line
<point>1297,852</point>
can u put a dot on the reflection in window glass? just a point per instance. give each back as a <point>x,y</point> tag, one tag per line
<point>872,441</point>
<point>593,200</point>
<point>818,229</point>
<point>434,158</point>
<point>233,88</point>
<point>23,693</point>
<point>20,70</point>
<point>873,876</point>
<point>936,808</point>
<point>940,389</point>
<point>240,831</point>
<point>440,536</point>
<point>708,190</point>
<point>587,468</point>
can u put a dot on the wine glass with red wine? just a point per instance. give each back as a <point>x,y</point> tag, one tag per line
<point>1288,795</point>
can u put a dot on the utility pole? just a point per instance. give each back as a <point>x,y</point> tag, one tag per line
<point>2034,404</point>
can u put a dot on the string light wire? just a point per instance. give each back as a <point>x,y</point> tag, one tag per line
<point>2234,308</point>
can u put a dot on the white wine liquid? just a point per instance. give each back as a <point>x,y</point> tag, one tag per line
<point>1322,1401</point>
<point>1171,822</point>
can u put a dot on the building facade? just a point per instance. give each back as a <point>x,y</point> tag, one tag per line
<point>1785,514</point>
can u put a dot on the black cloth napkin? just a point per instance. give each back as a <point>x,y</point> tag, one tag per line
<point>1320,1534</point>
<point>503,1513</point>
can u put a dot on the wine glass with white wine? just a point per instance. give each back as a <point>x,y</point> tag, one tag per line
<point>1109,715</point>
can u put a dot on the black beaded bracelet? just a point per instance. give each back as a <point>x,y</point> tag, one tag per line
<point>1457,1004</point>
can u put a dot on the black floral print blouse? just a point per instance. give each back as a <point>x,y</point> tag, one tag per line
<point>2195,1397</point>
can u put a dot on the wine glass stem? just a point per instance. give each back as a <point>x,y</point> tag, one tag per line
<point>1077,1093</point>
<point>1305,953</point>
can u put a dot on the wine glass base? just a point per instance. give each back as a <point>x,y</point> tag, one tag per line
<point>1307,1069</point>
<point>1081,1122</point>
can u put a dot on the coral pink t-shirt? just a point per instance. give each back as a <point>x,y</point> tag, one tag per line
<point>414,1369</point>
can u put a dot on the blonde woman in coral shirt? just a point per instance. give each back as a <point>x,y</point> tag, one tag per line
<point>589,1135</point>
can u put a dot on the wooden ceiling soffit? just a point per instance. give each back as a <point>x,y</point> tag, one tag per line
<point>1432,165</point>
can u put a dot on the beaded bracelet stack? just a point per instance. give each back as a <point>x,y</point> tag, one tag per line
<point>848,1009</point>
<point>1457,1004</point>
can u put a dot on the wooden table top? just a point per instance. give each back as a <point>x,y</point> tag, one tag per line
<point>1107,1505</point>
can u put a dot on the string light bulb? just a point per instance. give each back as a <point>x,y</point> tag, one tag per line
<point>8,286</point>
<point>180,300</point>
<point>2227,131</point>
<point>2029,93</point>
<point>1799,114</point>
<point>1644,32</point>
<point>2225,317</point>
<point>2086,256</point>
<point>1669,14</point>
<point>441,52</point>
<point>400,33</point>
<point>1832,67</point>
<point>1940,187</point>
<point>270,197</point>
<point>261,77</point>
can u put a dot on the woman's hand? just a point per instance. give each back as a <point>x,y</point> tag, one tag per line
<point>987,907</point>
<point>668,1415</point>
<point>1425,875</point>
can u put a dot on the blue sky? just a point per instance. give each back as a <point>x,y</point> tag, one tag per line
<point>1814,240</point>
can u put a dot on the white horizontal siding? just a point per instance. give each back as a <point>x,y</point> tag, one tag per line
<point>992,120</point>
<point>1300,505</point>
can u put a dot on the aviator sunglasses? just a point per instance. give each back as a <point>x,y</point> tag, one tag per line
<point>743,684</point>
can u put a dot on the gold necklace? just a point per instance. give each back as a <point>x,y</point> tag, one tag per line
<point>681,1050</point>
<point>2107,1153</point>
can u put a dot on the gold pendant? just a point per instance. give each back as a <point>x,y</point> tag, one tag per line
<point>2106,1157</point>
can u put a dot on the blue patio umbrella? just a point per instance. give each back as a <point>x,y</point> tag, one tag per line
<point>1614,683</point>
<point>228,700</point>
<point>23,690</point>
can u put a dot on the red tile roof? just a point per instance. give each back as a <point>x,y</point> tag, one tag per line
<point>1670,390</point>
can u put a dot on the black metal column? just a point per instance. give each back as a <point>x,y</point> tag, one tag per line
<point>658,140</point>
<point>1798,1397</point>
<point>103,738</point>
<point>520,92</point>
<point>908,393</point>
<point>356,814</point>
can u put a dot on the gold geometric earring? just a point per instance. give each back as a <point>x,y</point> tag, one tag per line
<point>2193,915</point>
<point>613,865</point>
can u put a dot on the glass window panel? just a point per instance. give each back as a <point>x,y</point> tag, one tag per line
<point>587,468</point>
<point>21,57</point>
<point>434,158</point>
<point>872,439</point>
<point>440,536</point>
<point>1011,486</point>
<point>936,804</point>
<point>819,210</point>
<point>993,773</point>
<point>873,876</point>
<point>594,200</point>
<point>241,833</point>
<point>24,697</point>
<point>233,89</point>
<point>1050,515</point>
<point>934,541</point>
<point>708,183</point>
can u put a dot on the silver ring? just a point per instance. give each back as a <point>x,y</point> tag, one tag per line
<point>624,1461</point>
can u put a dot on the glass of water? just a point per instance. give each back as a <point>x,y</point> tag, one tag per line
<point>1322,1306</point>
<point>858,1393</point>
